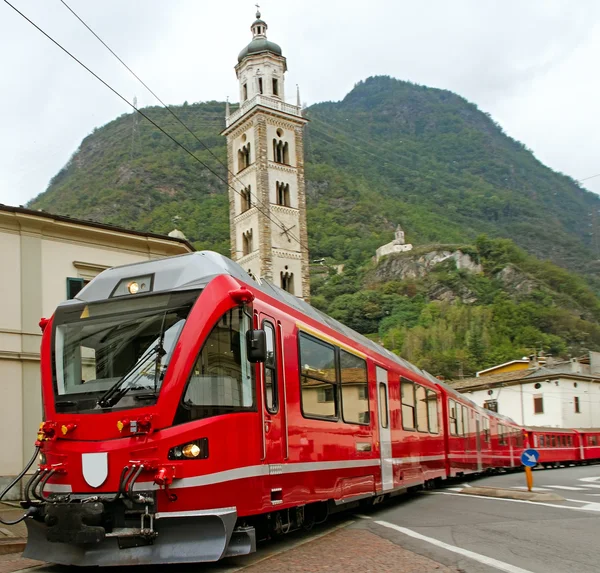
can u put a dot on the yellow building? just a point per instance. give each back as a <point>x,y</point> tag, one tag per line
<point>512,366</point>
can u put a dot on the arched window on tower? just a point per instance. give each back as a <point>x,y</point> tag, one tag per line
<point>247,246</point>
<point>244,157</point>
<point>260,85</point>
<point>287,280</point>
<point>246,197</point>
<point>283,193</point>
<point>281,149</point>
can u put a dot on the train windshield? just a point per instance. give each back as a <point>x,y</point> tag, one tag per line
<point>115,353</point>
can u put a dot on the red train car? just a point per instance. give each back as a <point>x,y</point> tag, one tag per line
<point>556,446</point>
<point>190,410</point>
<point>589,445</point>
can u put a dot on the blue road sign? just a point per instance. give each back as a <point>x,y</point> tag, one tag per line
<point>530,457</point>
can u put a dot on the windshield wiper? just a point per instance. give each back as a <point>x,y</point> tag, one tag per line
<point>119,389</point>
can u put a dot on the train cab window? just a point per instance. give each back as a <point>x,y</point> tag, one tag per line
<point>432,411</point>
<point>355,397</point>
<point>422,413</point>
<point>541,440</point>
<point>408,404</point>
<point>383,406</point>
<point>222,379</point>
<point>270,370</point>
<point>318,378</point>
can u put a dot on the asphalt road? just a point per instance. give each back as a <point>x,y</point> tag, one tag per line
<point>467,534</point>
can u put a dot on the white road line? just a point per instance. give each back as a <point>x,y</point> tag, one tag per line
<point>490,561</point>
<point>588,479</point>
<point>566,487</point>
<point>593,485</point>
<point>514,500</point>
<point>523,487</point>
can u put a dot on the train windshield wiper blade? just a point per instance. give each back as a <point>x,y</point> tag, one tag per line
<point>119,388</point>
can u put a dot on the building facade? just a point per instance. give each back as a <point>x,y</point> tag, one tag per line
<point>265,151</point>
<point>44,260</point>
<point>555,395</point>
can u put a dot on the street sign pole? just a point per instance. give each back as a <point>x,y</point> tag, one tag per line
<point>529,476</point>
<point>529,458</point>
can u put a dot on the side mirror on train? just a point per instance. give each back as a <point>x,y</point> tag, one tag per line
<point>256,342</point>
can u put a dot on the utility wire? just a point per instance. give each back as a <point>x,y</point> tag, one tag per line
<point>591,177</point>
<point>168,108</point>
<point>123,98</point>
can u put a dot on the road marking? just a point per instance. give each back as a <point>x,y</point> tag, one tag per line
<point>490,561</point>
<point>592,485</point>
<point>513,500</point>
<point>590,479</point>
<point>566,487</point>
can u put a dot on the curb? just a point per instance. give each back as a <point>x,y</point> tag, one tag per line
<point>511,494</point>
<point>16,545</point>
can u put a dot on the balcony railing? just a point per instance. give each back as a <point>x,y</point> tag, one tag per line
<point>265,101</point>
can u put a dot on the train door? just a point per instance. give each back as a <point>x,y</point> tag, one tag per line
<point>273,398</point>
<point>478,441</point>
<point>385,440</point>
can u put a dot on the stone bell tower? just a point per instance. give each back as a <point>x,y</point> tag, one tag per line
<point>265,156</point>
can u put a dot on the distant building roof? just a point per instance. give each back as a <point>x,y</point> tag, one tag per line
<point>498,366</point>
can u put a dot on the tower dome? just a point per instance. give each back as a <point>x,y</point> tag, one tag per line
<point>259,41</point>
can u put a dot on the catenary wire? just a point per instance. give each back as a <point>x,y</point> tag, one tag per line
<point>123,98</point>
<point>233,175</point>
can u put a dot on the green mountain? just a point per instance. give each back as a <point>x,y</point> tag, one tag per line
<point>389,152</point>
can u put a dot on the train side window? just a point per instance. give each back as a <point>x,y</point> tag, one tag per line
<point>465,418</point>
<point>541,440</point>
<point>592,440</point>
<point>422,411</point>
<point>553,441</point>
<point>270,370</point>
<point>318,378</point>
<point>222,380</point>
<point>355,395</point>
<point>409,421</point>
<point>383,406</point>
<point>459,420</point>
<point>486,430</point>
<point>501,435</point>
<point>452,418</point>
<point>432,411</point>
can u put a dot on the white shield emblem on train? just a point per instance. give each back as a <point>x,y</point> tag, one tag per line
<point>95,468</point>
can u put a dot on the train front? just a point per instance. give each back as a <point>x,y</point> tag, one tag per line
<point>140,377</point>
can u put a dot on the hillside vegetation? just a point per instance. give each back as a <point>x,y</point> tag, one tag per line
<point>389,152</point>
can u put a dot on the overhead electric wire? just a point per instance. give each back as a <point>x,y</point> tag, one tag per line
<point>591,177</point>
<point>168,108</point>
<point>123,98</point>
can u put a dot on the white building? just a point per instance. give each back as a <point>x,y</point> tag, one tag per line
<point>45,259</point>
<point>559,395</point>
<point>265,150</point>
<point>398,245</point>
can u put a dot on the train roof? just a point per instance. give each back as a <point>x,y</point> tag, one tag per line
<point>196,270</point>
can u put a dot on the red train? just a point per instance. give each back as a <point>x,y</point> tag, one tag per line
<point>190,410</point>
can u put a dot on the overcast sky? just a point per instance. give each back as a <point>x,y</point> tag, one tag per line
<point>532,64</point>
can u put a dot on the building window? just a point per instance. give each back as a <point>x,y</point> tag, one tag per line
<point>74,285</point>
<point>281,152</point>
<point>355,398</point>
<point>247,246</point>
<point>577,410</point>
<point>318,378</point>
<point>287,281</point>
<point>245,91</point>
<point>260,85</point>
<point>538,405</point>
<point>283,193</point>
<point>491,405</point>
<point>246,197</point>
<point>409,421</point>
<point>244,157</point>
<point>275,87</point>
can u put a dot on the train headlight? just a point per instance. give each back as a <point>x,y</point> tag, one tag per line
<point>133,287</point>
<point>196,450</point>
<point>191,450</point>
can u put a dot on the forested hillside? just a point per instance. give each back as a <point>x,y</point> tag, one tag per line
<point>390,152</point>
